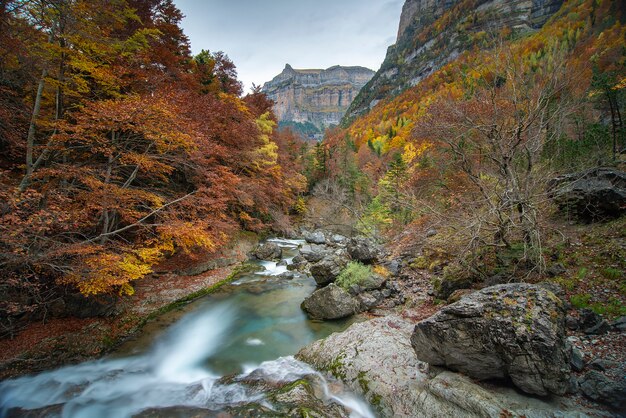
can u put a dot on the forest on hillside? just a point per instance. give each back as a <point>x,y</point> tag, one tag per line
<point>120,148</point>
<point>473,147</point>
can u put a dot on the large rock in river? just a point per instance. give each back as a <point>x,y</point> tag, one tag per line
<point>313,253</point>
<point>268,251</point>
<point>330,302</point>
<point>375,359</point>
<point>327,270</point>
<point>316,237</point>
<point>513,330</point>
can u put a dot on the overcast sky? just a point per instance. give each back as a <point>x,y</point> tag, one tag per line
<point>261,36</point>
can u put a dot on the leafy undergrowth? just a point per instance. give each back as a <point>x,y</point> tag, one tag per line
<point>355,273</point>
<point>594,258</point>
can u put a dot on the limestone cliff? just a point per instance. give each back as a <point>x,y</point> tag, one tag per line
<point>434,32</point>
<point>317,97</point>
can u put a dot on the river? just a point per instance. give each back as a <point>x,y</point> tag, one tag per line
<point>252,326</point>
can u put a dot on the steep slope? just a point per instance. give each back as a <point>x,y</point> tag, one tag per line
<point>432,33</point>
<point>315,99</point>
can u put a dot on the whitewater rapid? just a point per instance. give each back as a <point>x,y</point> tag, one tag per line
<point>173,372</point>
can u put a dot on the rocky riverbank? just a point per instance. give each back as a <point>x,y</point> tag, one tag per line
<point>506,349</point>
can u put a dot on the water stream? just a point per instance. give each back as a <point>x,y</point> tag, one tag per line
<point>251,327</point>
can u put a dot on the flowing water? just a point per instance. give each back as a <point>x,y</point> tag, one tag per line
<point>252,326</point>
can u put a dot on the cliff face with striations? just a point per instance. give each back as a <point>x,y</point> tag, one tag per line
<point>434,32</point>
<point>315,98</point>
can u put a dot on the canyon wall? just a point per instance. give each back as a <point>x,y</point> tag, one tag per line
<point>315,97</point>
<point>432,33</point>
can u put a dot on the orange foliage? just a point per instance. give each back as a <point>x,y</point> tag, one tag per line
<point>140,150</point>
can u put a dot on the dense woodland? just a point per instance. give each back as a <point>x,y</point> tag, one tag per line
<point>471,149</point>
<point>119,148</point>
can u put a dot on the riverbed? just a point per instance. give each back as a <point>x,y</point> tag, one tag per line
<point>252,324</point>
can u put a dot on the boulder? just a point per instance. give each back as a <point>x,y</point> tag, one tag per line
<point>330,302</point>
<point>596,194</point>
<point>394,267</point>
<point>364,250</point>
<point>447,285</point>
<point>599,329</point>
<point>619,324</point>
<point>369,300</point>
<point>597,387</point>
<point>268,251</point>
<point>298,263</point>
<point>288,275</point>
<point>327,270</point>
<point>338,239</point>
<point>514,330</point>
<point>602,364</point>
<point>372,282</point>
<point>577,359</point>
<point>316,237</point>
<point>592,323</point>
<point>375,360</point>
<point>313,253</point>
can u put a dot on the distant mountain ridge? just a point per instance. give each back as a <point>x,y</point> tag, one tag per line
<point>315,97</point>
<point>432,33</point>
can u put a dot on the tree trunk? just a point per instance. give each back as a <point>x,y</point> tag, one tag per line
<point>30,139</point>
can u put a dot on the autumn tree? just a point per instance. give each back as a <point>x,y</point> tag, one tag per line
<point>496,136</point>
<point>124,149</point>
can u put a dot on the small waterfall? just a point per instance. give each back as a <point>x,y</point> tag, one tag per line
<point>170,374</point>
<point>175,371</point>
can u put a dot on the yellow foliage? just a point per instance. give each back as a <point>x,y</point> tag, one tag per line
<point>409,154</point>
<point>381,270</point>
<point>300,205</point>
<point>267,154</point>
<point>104,272</point>
<point>186,236</point>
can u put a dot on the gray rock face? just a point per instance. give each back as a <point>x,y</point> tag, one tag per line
<point>418,51</point>
<point>577,360</point>
<point>619,324</point>
<point>600,388</point>
<point>375,359</point>
<point>363,249</point>
<point>313,253</point>
<point>590,195</point>
<point>316,237</point>
<point>268,251</point>
<point>512,330</point>
<point>319,97</point>
<point>338,239</point>
<point>330,302</point>
<point>327,270</point>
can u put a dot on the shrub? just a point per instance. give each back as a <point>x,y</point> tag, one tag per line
<point>353,273</point>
